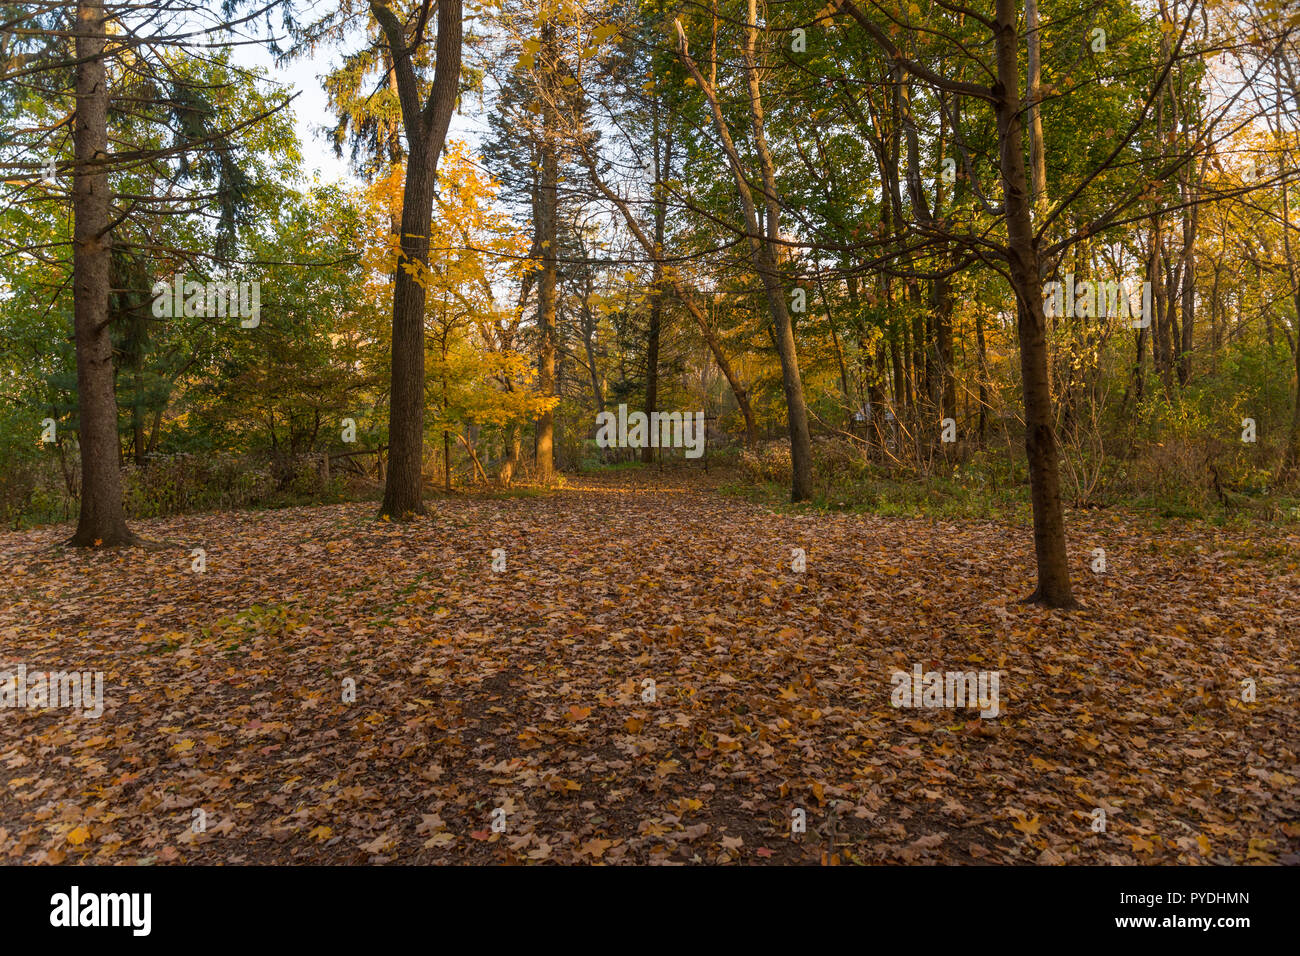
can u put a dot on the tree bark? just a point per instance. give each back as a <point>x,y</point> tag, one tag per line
<point>1040,439</point>
<point>102,519</point>
<point>1038,160</point>
<point>426,132</point>
<point>547,237</point>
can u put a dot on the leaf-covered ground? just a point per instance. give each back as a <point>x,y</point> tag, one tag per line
<point>523,689</point>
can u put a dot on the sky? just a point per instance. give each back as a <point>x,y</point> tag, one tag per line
<point>312,115</point>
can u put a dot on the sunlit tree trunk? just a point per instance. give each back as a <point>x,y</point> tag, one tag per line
<point>425,124</point>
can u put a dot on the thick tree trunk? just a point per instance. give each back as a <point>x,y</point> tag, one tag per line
<point>1040,439</point>
<point>102,520</point>
<point>425,123</point>
<point>402,490</point>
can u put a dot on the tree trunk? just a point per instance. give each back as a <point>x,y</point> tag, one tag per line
<point>982,366</point>
<point>514,453</point>
<point>1291,453</point>
<point>945,383</point>
<point>426,124</point>
<point>1191,218</point>
<point>589,322</point>
<point>547,237</point>
<point>763,241</point>
<point>402,491</point>
<point>1038,161</point>
<point>663,171</point>
<point>102,520</point>
<point>1040,439</point>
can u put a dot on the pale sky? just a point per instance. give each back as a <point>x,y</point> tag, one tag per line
<point>311,113</point>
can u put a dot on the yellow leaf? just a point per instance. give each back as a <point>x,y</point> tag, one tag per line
<point>595,848</point>
<point>1141,843</point>
<point>78,836</point>
<point>1255,850</point>
<point>1030,827</point>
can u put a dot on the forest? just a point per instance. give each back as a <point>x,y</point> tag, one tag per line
<point>659,400</point>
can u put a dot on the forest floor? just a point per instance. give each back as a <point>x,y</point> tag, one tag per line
<point>225,736</point>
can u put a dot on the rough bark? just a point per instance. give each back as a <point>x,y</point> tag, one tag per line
<point>426,126</point>
<point>547,216</point>
<point>102,519</point>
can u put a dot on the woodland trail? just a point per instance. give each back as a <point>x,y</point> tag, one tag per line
<point>527,689</point>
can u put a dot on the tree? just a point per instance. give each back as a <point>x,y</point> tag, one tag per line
<point>425,121</point>
<point>102,520</point>
<point>764,243</point>
<point>1027,245</point>
<point>119,95</point>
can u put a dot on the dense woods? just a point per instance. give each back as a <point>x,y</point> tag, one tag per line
<point>872,245</point>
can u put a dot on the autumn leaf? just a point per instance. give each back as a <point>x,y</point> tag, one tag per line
<point>1027,826</point>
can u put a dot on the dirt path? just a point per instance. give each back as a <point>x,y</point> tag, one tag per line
<point>526,689</point>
